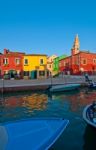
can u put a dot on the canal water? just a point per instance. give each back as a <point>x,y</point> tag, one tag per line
<point>77,136</point>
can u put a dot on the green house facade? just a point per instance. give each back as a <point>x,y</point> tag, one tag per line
<point>56,63</point>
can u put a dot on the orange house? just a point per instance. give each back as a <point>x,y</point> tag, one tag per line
<point>11,64</point>
<point>79,62</point>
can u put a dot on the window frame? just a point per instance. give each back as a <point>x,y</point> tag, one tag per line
<point>42,63</point>
<point>5,61</point>
<point>84,59</point>
<point>94,60</point>
<point>25,60</point>
<point>17,59</point>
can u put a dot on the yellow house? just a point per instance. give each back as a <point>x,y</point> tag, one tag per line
<point>35,66</point>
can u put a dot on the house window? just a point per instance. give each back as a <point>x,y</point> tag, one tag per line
<point>49,66</point>
<point>94,61</point>
<point>26,73</point>
<point>25,61</point>
<point>41,62</point>
<point>41,73</point>
<point>51,60</point>
<point>5,61</point>
<point>84,61</point>
<point>17,61</point>
<point>66,64</point>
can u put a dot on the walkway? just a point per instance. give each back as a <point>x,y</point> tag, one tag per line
<point>40,84</point>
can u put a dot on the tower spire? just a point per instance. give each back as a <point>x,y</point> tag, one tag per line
<point>76,45</point>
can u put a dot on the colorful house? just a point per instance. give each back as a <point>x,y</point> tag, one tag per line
<point>56,63</point>
<point>11,64</point>
<point>50,61</point>
<point>35,66</point>
<point>79,62</point>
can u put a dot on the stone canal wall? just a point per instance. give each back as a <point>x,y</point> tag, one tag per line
<point>40,84</point>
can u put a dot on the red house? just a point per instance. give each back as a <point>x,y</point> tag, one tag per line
<point>79,62</point>
<point>11,64</point>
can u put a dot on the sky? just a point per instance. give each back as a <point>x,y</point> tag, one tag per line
<point>47,26</point>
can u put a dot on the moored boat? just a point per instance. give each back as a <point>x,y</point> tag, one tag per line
<point>92,85</point>
<point>89,114</point>
<point>35,134</point>
<point>64,87</point>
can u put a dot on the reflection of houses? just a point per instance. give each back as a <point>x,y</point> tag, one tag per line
<point>50,64</point>
<point>13,101</point>
<point>11,64</point>
<point>35,66</point>
<point>81,99</point>
<point>16,107</point>
<point>79,61</point>
<point>36,101</point>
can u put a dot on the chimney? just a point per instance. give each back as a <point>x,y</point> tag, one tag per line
<point>6,51</point>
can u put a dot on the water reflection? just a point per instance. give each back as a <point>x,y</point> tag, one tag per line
<point>67,105</point>
<point>27,104</point>
<point>76,99</point>
<point>36,101</point>
<point>22,106</point>
<point>89,138</point>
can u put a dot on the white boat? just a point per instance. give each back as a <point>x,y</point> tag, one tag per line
<point>89,115</point>
<point>34,134</point>
<point>64,87</point>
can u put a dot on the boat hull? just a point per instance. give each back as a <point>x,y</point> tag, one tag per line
<point>35,134</point>
<point>66,87</point>
<point>86,116</point>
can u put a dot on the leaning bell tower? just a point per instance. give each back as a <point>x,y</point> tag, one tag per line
<point>76,46</point>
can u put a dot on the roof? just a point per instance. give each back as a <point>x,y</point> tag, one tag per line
<point>87,52</point>
<point>83,51</point>
<point>35,55</point>
<point>62,57</point>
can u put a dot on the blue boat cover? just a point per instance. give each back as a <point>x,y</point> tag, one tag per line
<point>34,134</point>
